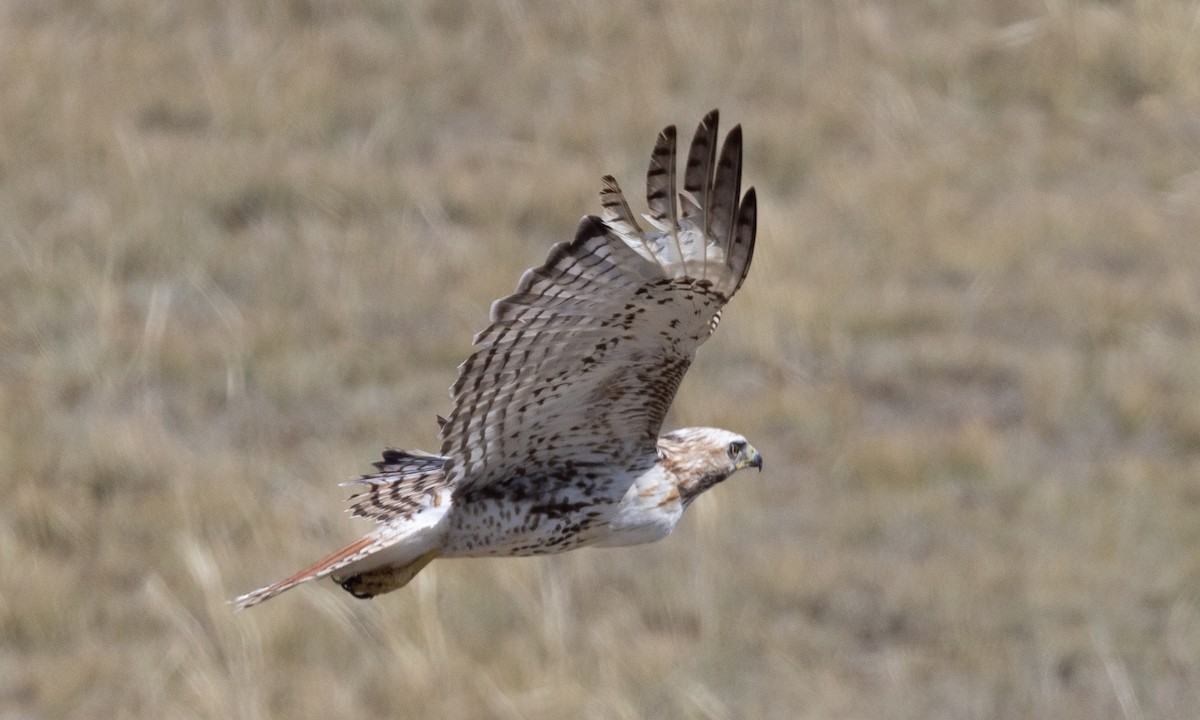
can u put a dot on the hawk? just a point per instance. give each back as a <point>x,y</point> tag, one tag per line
<point>553,442</point>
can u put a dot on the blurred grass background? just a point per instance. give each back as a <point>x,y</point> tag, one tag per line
<point>244,246</point>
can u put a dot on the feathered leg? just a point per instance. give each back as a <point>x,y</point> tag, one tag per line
<point>385,579</point>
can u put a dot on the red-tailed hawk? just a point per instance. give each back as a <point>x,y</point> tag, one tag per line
<point>553,443</point>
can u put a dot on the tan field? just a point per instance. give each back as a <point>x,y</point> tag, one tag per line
<point>243,248</point>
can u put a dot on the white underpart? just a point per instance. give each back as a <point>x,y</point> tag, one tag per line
<point>647,513</point>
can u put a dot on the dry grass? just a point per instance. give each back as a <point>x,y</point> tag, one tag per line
<point>242,247</point>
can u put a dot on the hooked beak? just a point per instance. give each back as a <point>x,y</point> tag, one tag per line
<point>750,458</point>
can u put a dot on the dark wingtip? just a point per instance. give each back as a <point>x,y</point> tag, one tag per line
<point>708,128</point>
<point>750,199</point>
<point>745,233</point>
<point>735,134</point>
<point>589,227</point>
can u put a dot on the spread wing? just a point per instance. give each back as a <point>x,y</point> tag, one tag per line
<point>581,363</point>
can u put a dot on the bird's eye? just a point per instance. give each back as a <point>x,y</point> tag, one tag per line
<point>736,447</point>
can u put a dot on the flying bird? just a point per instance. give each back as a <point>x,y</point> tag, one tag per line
<point>553,442</point>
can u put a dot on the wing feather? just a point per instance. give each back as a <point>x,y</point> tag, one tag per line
<point>661,197</point>
<point>741,250</point>
<point>580,364</point>
<point>698,185</point>
<point>726,190</point>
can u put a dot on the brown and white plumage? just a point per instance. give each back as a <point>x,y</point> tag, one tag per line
<point>553,442</point>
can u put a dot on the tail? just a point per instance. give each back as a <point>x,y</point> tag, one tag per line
<point>352,553</point>
<point>409,498</point>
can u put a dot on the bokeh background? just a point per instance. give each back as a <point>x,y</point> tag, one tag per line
<point>243,247</point>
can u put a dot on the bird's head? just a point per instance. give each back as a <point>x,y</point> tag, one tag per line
<point>702,457</point>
